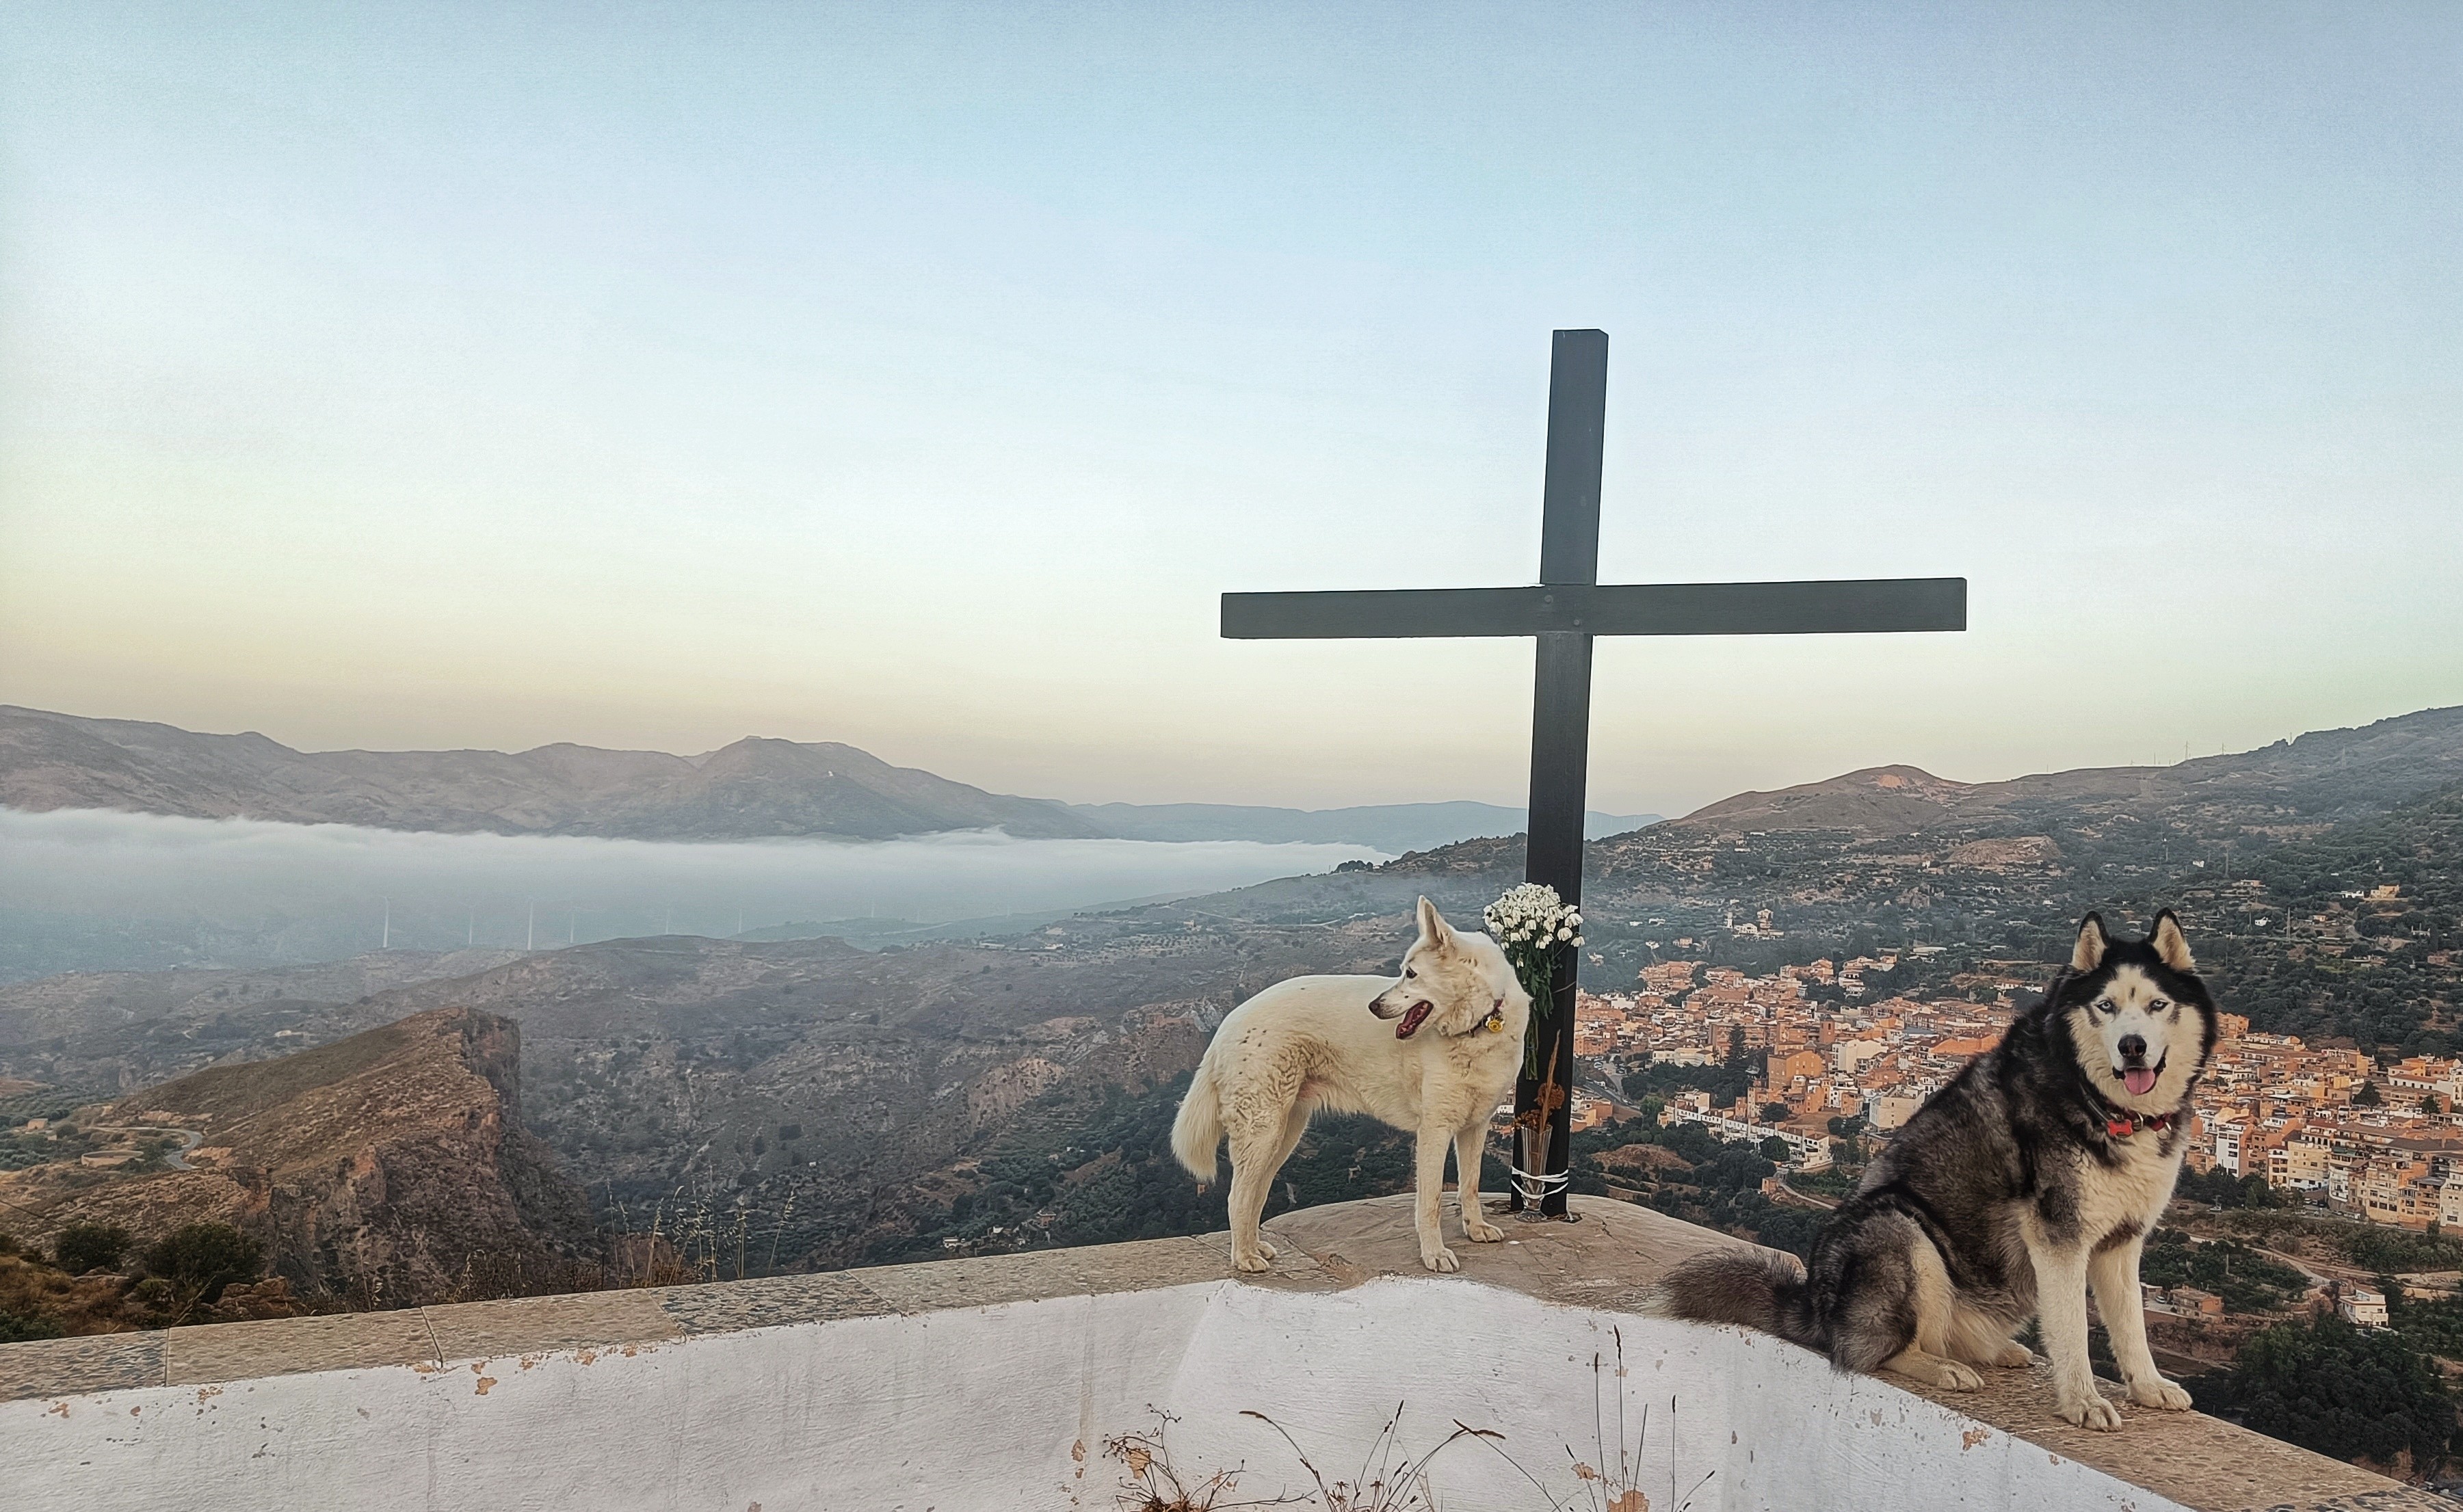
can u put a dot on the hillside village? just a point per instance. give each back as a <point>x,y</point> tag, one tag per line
<point>1828,1042</point>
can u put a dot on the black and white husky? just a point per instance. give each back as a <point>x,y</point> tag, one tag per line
<point>2033,1176</point>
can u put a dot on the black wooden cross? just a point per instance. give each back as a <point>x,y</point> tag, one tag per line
<point>1563,612</point>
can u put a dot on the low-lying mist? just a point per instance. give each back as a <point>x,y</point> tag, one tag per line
<point>91,890</point>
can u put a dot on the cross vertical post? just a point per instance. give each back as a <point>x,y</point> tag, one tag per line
<point>1560,739</point>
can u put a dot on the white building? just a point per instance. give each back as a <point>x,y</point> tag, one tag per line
<point>2227,1151</point>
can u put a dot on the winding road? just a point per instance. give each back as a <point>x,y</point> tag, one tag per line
<point>172,1159</point>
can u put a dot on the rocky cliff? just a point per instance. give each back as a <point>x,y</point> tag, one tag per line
<point>390,1168</point>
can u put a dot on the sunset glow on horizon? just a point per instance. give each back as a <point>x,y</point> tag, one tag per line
<point>918,377</point>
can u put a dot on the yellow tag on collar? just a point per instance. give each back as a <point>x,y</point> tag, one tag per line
<point>1496,1022</point>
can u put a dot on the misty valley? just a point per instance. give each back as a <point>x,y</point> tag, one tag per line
<point>791,1103</point>
<point>88,890</point>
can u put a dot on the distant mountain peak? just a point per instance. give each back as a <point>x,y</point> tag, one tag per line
<point>1896,778</point>
<point>1873,799</point>
<point>759,787</point>
<point>2322,773</point>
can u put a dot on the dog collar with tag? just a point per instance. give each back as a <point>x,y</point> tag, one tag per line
<point>1495,1024</point>
<point>2124,1126</point>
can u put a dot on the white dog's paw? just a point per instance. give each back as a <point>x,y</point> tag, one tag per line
<point>1952,1376</point>
<point>2014,1356</point>
<point>1253,1263</point>
<point>1480,1230</point>
<point>2159,1392</point>
<point>1440,1258</point>
<point>2091,1412</point>
<point>1266,1251</point>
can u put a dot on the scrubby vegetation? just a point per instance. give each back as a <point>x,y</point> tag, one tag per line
<point>2434,1327</point>
<point>2374,1247</point>
<point>81,1248</point>
<point>2223,1189</point>
<point>2396,983</point>
<point>2247,1281</point>
<point>96,1280</point>
<point>2341,1390</point>
<point>1725,1082</point>
<point>1069,1174</point>
<point>1685,1172</point>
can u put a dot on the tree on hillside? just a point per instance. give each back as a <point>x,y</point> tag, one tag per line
<point>19,1326</point>
<point>1775,1112</point>
<point>2343,1392</point>
<point>199,1260</point>
<point>2367,1096</point>
<point>2430,1105</point>
<point>80,1247</point>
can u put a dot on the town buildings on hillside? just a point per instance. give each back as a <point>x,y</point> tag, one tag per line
<point>1830,1039</point>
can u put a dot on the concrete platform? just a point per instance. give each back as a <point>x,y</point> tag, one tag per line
<point>1618,1249</point>
<point>832,1378</point>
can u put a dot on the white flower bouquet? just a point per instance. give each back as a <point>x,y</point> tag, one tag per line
<point>1533,925</point>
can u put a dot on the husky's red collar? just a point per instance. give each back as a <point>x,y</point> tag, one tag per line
<point>2124,1126</point>
<point>2120,1123</point>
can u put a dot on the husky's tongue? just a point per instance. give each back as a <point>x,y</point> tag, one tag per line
<point>2139,1079</point>
<point>1413,1017</point>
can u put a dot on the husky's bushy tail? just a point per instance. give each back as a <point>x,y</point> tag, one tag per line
<point>1198,1129</point>
<point>1756,1289</point>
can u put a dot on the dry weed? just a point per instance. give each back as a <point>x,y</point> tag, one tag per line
<point>1614,1484</point>
<point>1152,1484</point>
<point>1387,1480</point>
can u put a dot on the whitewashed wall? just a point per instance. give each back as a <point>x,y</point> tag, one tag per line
<point>1005,1409</point>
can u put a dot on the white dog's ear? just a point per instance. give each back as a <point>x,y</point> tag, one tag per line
<point>1432,924</point>
<point>2171,946</point>
<point>2092,944</point>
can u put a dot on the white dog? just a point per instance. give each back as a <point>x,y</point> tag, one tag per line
<point>1321,1042</point>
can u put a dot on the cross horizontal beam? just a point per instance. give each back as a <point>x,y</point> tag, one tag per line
<point>1848,606</point>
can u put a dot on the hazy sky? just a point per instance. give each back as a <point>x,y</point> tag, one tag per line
<point>916,376</point>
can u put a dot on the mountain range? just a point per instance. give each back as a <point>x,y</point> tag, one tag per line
<point>2320,776</point>
<point>754,789</point>
<point>871,1104</point>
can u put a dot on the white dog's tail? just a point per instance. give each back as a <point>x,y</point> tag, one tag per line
<point>1199,1129</point>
